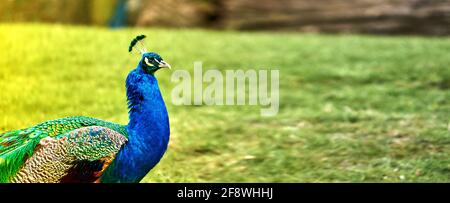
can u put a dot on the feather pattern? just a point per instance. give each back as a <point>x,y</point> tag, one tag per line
<point>88,149</point>
<point>16,146</point>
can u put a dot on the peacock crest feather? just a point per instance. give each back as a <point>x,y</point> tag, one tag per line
<point>138,41</point>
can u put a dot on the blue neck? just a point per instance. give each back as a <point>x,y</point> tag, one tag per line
<point>148,130</point>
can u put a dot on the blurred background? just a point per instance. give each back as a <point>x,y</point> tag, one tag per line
<point>426,17</point>
<point>364,84</point>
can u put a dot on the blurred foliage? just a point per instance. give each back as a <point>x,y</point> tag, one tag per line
<point>102,10</point>
<point>63,11</point>
<point>353,108</point>
<point>96,12</point>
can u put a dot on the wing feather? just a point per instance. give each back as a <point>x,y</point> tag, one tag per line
<point>18,145</point>
<point>80,155</point>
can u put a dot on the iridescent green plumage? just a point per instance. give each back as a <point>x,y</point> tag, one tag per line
<point>80,155</point>
<point>18,145</point>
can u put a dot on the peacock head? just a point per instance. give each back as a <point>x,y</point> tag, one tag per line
<point>150,62</point>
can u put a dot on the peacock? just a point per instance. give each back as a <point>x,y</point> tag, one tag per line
<point>84,149</point>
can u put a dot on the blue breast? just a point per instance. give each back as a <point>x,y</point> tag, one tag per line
<point>148,130</point>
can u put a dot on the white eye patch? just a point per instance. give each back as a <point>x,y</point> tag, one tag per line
<point>147,62</point>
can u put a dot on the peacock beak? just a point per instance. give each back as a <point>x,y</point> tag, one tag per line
<point>163,64</point>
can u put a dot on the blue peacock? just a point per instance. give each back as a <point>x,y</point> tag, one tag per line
<point>83,149</point>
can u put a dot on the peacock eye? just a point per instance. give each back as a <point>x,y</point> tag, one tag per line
<point>149,61</point>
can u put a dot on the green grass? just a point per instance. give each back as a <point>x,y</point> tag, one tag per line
<point>352,108</point>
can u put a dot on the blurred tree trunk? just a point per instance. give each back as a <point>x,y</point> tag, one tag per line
<point>366,16</point>
<point>179,13</point>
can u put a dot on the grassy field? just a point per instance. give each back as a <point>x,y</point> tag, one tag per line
<point>352,108</point>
